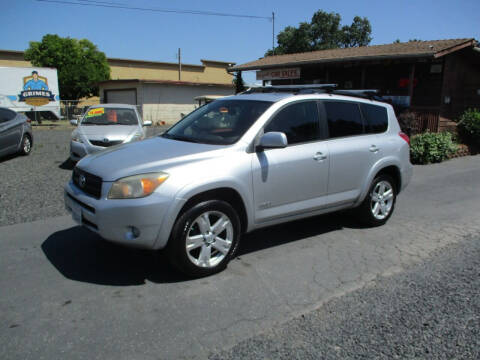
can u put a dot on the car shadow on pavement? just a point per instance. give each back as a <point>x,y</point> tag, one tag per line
<point>8,157</point>
<point>81,255</point>
<point>68,164</point>
<point>296,230</point>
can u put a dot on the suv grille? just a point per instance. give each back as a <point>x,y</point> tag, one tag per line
<point>105,144</point>
<point>90,184</point>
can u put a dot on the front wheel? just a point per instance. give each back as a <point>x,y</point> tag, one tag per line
<point>26,146</point>
<point>204,238</point>
<point>379,203</point>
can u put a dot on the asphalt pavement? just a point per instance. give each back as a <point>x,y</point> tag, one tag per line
<point>68,294</point>
<point>29,185</point>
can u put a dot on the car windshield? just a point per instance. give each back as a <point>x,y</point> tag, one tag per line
<point>109,116</point>
<point>221,122</point>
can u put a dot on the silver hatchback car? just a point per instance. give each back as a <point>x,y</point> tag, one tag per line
<point>106,125</point>
<point>15,133</point>
<point>242,163</point>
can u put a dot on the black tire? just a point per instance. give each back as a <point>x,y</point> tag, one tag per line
<point>366,211</point>
<point>26,146</point>
<point>189,223</point>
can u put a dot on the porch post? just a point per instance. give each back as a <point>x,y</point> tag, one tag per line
<point>410,82</point>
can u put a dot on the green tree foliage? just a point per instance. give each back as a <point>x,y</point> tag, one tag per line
<point>238,82</point>
<point>80,65</point>
<point>323,32</point>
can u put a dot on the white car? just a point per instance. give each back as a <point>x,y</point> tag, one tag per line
<point>106,125</point>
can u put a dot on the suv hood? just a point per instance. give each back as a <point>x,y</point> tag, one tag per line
<point>112,132</point>
<point>154,154</point>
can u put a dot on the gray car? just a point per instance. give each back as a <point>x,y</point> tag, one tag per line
<point>15,133</point>
<point>106,125</point>
<point>239,164</point>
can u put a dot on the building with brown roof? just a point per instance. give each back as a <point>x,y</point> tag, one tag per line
<point>437,80</point>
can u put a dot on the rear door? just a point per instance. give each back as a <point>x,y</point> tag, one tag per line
<point>352,150</point>
<point>294,179</point>
<point>10,131</point>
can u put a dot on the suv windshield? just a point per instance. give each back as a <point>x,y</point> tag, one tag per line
<point>221,122</point>
<point>110,116</point>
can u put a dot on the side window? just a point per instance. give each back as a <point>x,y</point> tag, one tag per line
<point>6,115</point>
<point>298,121</point>
<point>376,118</point>
<point>344,118</point>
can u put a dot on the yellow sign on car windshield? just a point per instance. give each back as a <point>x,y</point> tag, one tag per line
<point>96,112</point>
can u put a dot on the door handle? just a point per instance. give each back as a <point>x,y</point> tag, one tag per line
<point>374,148</point>
<point>319,156</point>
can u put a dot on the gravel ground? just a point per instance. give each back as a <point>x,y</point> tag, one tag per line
<point>32,186</point>
<point>431,311</point>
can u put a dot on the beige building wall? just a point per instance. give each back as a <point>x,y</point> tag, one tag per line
<point>120,69</point>
<point>164,104</point>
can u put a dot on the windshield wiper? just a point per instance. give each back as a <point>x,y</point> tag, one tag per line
<point>180,138</point>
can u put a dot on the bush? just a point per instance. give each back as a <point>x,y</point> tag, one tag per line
<point>469,126</point>
<point>432,147</point>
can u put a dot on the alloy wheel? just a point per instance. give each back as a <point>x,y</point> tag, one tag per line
<point>382,198</point>
<point>209,239</point>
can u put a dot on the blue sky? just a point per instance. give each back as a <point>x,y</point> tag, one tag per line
<point>157,36</point>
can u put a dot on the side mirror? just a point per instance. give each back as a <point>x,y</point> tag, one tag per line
<point>272,140</point>
<point>74,122</point>
<point>147,123</point>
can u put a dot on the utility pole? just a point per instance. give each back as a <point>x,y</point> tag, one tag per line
<point>179,64</point>
<point>273,33</point>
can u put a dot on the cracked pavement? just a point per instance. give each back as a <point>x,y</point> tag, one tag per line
<point>67,294</point>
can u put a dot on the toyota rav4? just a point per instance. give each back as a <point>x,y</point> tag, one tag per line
<point>241,163</point>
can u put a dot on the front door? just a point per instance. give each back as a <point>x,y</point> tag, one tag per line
<point>294,179</point>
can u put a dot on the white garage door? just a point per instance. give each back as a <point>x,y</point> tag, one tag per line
<point>121,96</point>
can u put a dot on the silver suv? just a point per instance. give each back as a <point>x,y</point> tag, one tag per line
<point>241,163</point>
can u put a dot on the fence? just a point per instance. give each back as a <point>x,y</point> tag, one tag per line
<point>417,120</point>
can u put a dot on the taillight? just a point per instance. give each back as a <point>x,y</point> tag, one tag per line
<point>29,120</point>
<point>404,137</point>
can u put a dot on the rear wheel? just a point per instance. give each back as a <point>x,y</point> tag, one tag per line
<point>379,203</point>
<point>204,238</point>
<point>26,146</point>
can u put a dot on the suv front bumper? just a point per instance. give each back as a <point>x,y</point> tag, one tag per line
<point>131,222</point>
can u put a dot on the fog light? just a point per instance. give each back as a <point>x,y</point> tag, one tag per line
<point>132,233</point>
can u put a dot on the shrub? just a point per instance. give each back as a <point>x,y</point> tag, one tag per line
<point>469,126</point>
<point>432,147</point>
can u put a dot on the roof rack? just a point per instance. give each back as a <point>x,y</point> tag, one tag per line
<point>371,94</point>
<point>289,88</point>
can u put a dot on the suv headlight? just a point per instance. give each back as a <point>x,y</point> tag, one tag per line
<point>136,186</point>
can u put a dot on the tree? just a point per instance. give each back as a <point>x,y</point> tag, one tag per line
<point>323,32</point>
<point>80,65</point>
<point>238,82</point>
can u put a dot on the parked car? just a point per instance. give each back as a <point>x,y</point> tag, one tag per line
<point>242,163</point>
<point>106,125</point>
<point>15,133</point>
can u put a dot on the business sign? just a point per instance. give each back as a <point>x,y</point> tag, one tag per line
<point>29,89</point>
<point>279,74</point>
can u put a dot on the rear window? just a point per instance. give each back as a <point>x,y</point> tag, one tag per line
<point>110,116</point>
<point>376,118</point>
<point>344,118</point>
<point>7,115</point>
